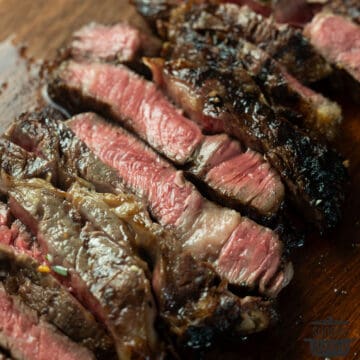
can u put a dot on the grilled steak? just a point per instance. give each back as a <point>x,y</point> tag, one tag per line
<point>338,40</point>
<point>218,43</point>
<point>118,43</point>
<point>42,293</point>
<point>347,8</point>
<point>300,12</point>
<point>314,174</point>
<point>208,232</point>
<point>208,303</point>
<point>21,164</point>
<point>249,185</point>
<point>27,336</point>
<point>44,134</point>
<point>106,276</point>
<point>282,42</point>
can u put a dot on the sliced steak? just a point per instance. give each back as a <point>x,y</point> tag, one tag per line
<point>205,300</point>
<point>42,293</point>
<point>314,174</point>
<point>218,43</point>
<point>203,227</point>
<point>347,8</point>
<point>21,164</point>
<point>156,121</point>
<point>105,276</point>
<point>285,44</point>
<point>338,40</point>
<point>117,43</point>
<point>44,134</point>
<point>27,336</point>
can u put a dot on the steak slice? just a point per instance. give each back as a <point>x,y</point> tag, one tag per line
<point>42,293</point>
<point>105,276</point>
<point>313,174</point>
<point>21,164</point>
<point>256,189</point>
<point>284,43</point>
<point>27,336</point>
<point>204,228</point>
<point>208,305</point>
<point>44,134</point>
<point>205,28</point>
<point>119,43</point>
<point>338,40</point>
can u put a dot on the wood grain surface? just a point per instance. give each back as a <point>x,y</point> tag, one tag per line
<point>327,270</point>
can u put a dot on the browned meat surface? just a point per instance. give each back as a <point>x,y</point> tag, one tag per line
<point>284,43</point>
<point>314,174</point>
<point>105,276</point>
<point>22,164</point>
<point>117,43</point>
<point>338,40</point>
<point>242,251</point>
<point>43,294</point>
<point>249,183</point>
<point>188,308</point>
<point>300,12</point>
<point>28,337</point>
<point>45,135</point>
<point>219,43</point>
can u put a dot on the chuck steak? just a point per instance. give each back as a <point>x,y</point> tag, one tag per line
<point>249,182</point>
<point>220,44</point>
<point>105,276</point>
<point>27,336</point>
<point>314,174</point>
<point>216,310</point>
<point>42,293</point>
<point>338,40</point>
<point>44,134</point>
<point>206,230</point>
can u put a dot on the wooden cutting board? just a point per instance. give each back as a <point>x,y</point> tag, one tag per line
<point>327,270</point>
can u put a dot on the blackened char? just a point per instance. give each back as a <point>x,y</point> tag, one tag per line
<point>282,42</point>
<point>210,233</point>
<point>19,163</point>
<point>314,174</point>
<point>249,184</point>
<point>181,301</point>
<point>105,276</point>
<point>42,292</point>
<point>216,42</point>
<point>44,134</point>
<point>27,336</point>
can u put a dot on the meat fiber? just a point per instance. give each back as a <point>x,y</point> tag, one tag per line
<point>338,40</point>
<point>105,276</point>
<point>27,336</point>
<point>204,228</point>
<point>247,185</point>
<point>314,174</point>
<point>52,302</point>
<point>180,299</point>
<point>44,134</point>
<point>117,43</point>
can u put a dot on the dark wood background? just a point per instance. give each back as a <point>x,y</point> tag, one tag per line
<point>327,270</point>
